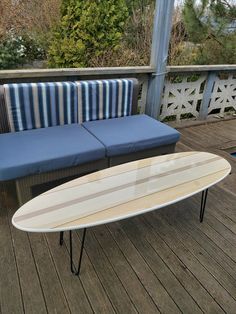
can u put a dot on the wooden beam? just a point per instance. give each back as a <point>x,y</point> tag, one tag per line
<point>201,68</point>
<point>77,72</point>
<point>160,45</point>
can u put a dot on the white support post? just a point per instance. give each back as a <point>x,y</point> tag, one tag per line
<point>160,44</point>
<point>211,77</point>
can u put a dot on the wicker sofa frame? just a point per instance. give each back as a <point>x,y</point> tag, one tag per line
<point>30,186</point>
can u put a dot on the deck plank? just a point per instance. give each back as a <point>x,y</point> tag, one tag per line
<point>54,295</point>
<point>10,289</point>
<point>98,298</point>
<point>178,268</point>
<point>204,132</point>
<point>72,286</point>
<point>130,281</point>
<point>181,297</point>
<point>228,131</point>
<point>218,239</point>
<point>158,293</point>
<point>189,219</point>
<point>32,292</point>
<point>220,295</point>
<point>109,279</point>
<point>209,263</point>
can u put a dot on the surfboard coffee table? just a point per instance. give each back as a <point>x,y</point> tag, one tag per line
<point>120,192</point>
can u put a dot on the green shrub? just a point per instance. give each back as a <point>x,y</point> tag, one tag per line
<point>35,47</point>
<point>139,4</point>
<point>15,50</point>
<point>87,29</point>
<point>12,52</point>
<point>222,51</point>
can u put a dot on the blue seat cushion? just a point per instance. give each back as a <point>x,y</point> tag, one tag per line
<point>41,150</point>
<point>131,134</point>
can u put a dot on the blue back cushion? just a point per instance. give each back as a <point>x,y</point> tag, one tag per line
<point>104,99</point>
<point>40,105</point>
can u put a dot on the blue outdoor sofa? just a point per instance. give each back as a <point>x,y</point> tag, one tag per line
<point>52,132</point>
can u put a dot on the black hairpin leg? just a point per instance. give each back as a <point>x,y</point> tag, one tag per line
<point>73,270</point>
<point>61,238</point>
<point>203,204</point>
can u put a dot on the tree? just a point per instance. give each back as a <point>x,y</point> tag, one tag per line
<point>208,24</point>
<point>208,18</point>
<point>138,4</point>
<point>87,28</point>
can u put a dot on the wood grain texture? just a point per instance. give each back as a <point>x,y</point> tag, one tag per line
<point>32,294</point>
<point>74,72</point>
<point>121,192</point>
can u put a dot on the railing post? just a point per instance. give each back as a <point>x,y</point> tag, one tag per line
<point>159,54</point>
<point>207,95</point>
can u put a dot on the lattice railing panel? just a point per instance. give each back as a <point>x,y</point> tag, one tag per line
<point>223,96</point>
<point>182,97</point>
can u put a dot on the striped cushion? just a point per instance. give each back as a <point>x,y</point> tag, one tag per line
<point>40,105</point>
<point>104,99</point>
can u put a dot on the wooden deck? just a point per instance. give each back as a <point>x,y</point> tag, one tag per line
<point>161,262</point>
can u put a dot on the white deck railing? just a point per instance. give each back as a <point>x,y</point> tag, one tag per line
<point>189,92</point>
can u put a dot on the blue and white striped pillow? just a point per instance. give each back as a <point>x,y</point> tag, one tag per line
<point>104,99</point>
<point>40,105</point>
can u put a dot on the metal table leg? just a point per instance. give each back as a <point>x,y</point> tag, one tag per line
<point>61,237</point>
<point>73,270</point>
<point>203,204</point>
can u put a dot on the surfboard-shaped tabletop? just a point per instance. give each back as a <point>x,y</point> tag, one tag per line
<point>120,192</point>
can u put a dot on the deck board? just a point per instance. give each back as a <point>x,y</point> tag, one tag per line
<point>211,264</point>
<point>71,286</point>
<point>179,269</point>
<point>212,286</point>
<point>163,261</point>
<point>10,289</point>
<point>150,282</point>
<point>93,287</point>
<point>174,288</point>
<point>108,277</point>
<point>54,298</point>
<point>32,292</point>
<point>197,232</point>
<point>138,294</point>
